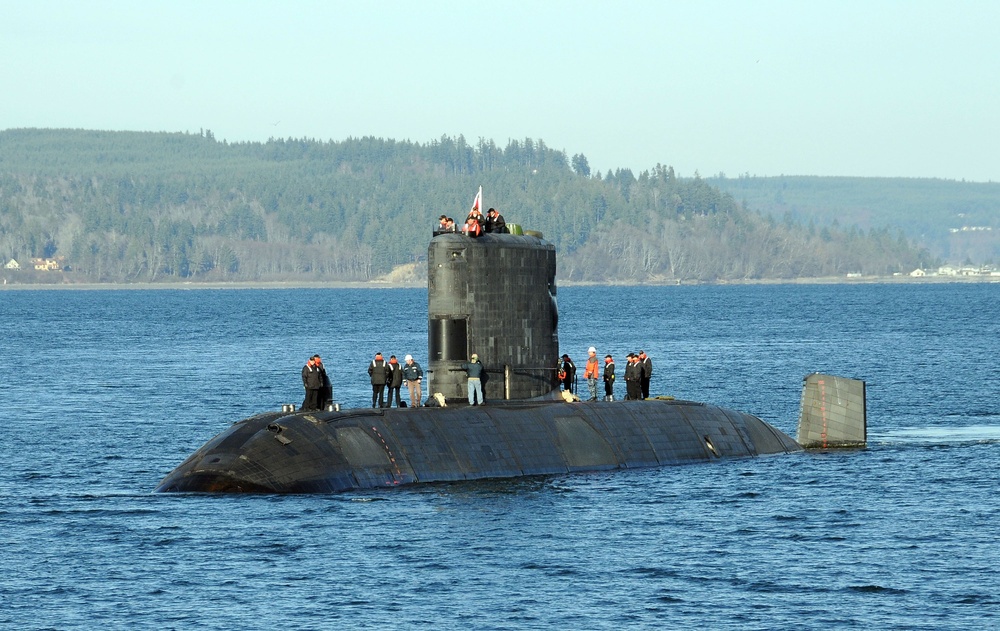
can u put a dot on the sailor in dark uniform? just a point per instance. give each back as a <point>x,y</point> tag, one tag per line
<point>569,373</point>
<point>646,364</point>
<point>609,378</point>
<point>633,376</point>
<point>380,372</point>
<point>313,381</point>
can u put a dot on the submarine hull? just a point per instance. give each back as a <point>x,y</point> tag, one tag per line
<point>364,449</point>
<point>495,297</point>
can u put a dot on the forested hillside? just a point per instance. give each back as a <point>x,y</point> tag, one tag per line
<point>957,221</point>
<point>130,206</point>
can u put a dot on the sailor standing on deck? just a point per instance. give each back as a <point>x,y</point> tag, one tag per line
<point>474,370</point>
<point>379,372</point>
<point>413,374</point>
<point>313,381</point>
<point>326,395</point>
<point>646,364</point>
<point>609,378</point>
<point>591,372</point>
<point>633,376</point>
<point>568,373</point>
<point>395,382</point>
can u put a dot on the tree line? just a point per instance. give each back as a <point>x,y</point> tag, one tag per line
<point>958,221</point>
<point>133,206</point>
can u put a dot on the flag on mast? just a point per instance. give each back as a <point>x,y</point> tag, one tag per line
<point>477,204</point>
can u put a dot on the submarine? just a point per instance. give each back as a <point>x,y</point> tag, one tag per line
<point>495,296</point>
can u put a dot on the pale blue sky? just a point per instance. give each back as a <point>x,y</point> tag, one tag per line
<point>873,88</point>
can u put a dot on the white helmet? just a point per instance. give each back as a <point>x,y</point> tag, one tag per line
<point>591,350</point>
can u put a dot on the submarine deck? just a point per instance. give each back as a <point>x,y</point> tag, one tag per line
<point>327,451</point>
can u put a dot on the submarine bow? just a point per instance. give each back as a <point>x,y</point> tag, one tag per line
<point>496,296</point>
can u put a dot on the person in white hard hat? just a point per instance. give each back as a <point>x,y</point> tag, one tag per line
<point>413,374</point>
<point>592,372</point>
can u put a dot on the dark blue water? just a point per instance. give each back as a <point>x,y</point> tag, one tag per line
<point>104,392</point>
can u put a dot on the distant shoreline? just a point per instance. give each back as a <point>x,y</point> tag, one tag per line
<point>212,285</point>
<point>827,280</point>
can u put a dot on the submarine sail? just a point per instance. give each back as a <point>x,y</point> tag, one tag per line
<point>494,296</point>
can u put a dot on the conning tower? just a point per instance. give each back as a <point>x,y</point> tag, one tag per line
<point>494,296</point>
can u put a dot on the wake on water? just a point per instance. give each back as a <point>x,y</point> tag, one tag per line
<point>936,435</point>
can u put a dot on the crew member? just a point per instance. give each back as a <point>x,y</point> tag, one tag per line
<point>477,214</point>
<point>568,373</point>
<point>378,370</point>
<point>591,371</point>
<point>442,225</point>
<point>472,227</point>
<point>412,373</point>
<point>474,370</point>
<point>395,381</point>
<point>633,375</point>
<point>647,371</point>
<point>326,396</point>
<point>312,381</point>
<point>494,222</point>
<point>609,378</point>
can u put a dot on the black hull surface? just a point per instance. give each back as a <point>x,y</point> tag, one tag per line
<point>362,449</point>
<point>495,298</point>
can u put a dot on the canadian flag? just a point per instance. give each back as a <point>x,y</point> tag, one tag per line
<point>477,204</point>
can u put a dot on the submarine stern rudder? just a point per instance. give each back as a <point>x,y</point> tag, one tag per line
<point>833,413</point>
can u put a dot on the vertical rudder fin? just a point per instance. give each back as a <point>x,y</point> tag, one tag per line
<point>833,413</point>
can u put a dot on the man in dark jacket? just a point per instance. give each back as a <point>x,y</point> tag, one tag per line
<point>609,378</point>
<point>395,381</point>
<point>495,223</point>
<point>413,374</point>
<point>380,373</point>
<point>568,373</point>
<point>633,377</point>
<point>326,395</point>
<point>646,364</point>
<point>313,380</point>
<point>475,371</point>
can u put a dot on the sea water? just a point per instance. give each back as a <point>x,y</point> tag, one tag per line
<point>105,392</point>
